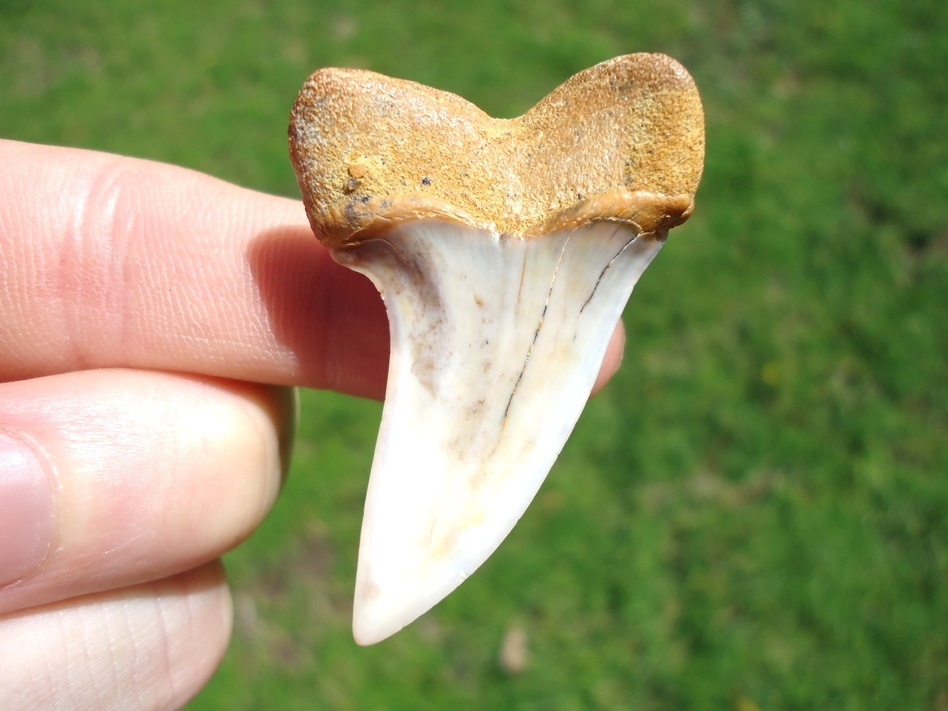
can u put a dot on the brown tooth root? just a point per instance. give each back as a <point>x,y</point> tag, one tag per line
<point>506,250</point>
<point>623,137</point>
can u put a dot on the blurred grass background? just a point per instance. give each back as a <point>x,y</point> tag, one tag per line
<point>754,514</point>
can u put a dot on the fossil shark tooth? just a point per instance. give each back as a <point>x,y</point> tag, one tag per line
<point>505,251</point>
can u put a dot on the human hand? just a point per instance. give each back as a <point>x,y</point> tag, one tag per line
<point>151,321</point>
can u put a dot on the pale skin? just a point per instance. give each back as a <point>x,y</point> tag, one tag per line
<point>153,323</point>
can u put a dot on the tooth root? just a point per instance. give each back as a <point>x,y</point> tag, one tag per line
<point>496,343</point>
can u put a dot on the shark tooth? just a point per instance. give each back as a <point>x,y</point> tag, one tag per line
<point>505,251</point>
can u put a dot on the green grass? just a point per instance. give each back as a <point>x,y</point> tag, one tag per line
<point>754,514</point>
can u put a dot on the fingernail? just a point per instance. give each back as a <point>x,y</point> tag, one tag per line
<point>26,511</point>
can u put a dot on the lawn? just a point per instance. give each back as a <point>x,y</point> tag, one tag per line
<point>754,514</point>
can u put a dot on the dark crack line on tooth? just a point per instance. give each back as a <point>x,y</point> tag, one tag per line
<point>536,333</point>
<point>605,269</point>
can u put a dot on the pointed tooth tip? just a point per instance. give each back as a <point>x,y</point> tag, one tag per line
<point>366,631</point>
<point>382,609</point>
<point>376,616</point>
<point>389,597</point>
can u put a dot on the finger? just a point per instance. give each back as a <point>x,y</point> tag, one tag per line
<point>613,359</point>
<point>112,261</point>
<point>148,647</point>
<point>147,474</point>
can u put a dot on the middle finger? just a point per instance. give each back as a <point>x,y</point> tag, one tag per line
<point>151,474</point>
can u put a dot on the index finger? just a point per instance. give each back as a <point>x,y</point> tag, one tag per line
<point>114,261</point>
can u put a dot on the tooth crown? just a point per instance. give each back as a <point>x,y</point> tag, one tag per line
<point>621,141</point>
